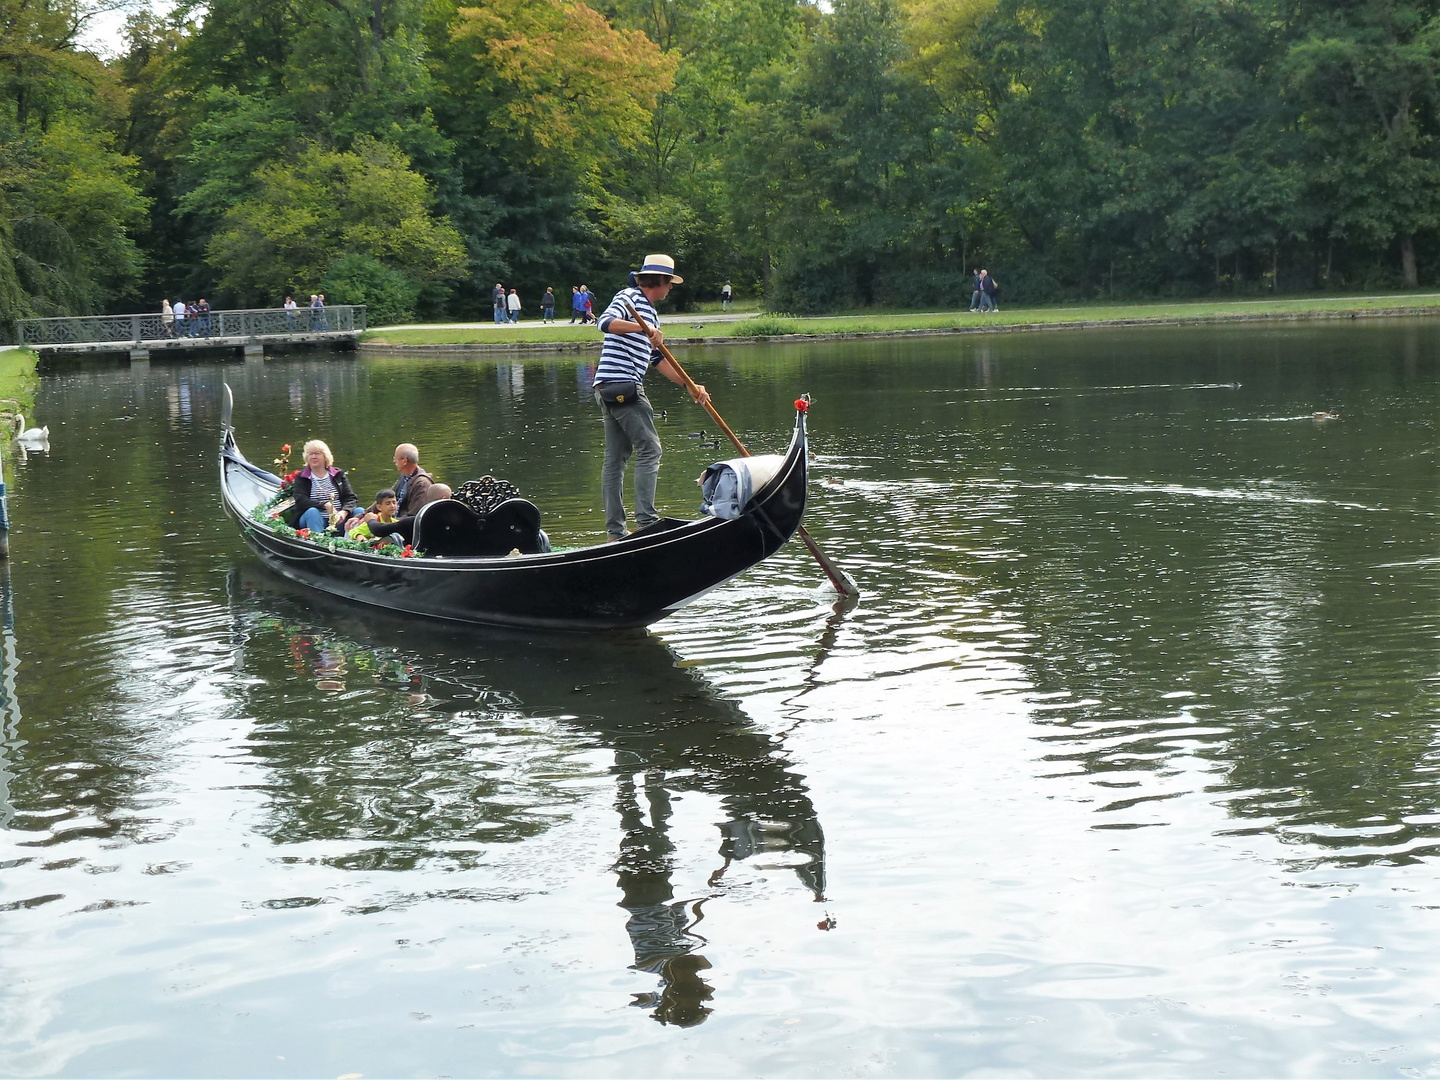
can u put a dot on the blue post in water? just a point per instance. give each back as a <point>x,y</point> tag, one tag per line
<point>4,516</point>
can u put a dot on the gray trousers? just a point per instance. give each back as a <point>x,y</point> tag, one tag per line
<point>629,429</point>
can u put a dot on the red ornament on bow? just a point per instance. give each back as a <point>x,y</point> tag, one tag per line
<point>801,405</point>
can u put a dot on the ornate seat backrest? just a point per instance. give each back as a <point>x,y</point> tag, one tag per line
<point>448,528</point>
<point>445,528</point>
<point>513,525</point>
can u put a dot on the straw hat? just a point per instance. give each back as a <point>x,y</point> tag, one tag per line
<point>660,264</point>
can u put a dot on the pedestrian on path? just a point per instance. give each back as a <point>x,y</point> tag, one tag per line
<point>576,304</point>
<point>167,317</point>
<point>512,302</point>
<point>497,297</point>
<point>547,306</point>
<point>977,296</point>
<point>991,289</point>
<point>725,296</point>
<point>179,311</point>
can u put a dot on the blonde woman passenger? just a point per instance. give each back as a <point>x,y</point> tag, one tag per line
<point>323,497</point>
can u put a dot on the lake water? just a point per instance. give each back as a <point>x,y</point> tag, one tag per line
<point>1126,764</point>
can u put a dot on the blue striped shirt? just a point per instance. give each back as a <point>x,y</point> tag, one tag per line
<point>626,357</point>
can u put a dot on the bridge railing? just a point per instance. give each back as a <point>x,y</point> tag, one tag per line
<point>152,326</point>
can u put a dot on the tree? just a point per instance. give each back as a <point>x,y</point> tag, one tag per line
<point>540,98</point>
<point>1365,78</point>
<point>845,158</point>
<point>572,86</point>
<point>69,199</point>
<point>306,215</point>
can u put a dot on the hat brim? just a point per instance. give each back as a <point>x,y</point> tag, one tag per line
<point>675,279</point>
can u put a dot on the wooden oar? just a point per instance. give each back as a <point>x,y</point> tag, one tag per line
<point>843,582</point>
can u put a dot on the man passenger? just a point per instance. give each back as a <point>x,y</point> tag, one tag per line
<point>412,491</point>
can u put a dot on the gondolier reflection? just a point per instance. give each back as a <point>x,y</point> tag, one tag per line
<point>628,352</point>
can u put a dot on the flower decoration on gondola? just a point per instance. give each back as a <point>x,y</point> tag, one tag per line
<point>283,461</point>
<point>333,541</point>
<point>287,483</point>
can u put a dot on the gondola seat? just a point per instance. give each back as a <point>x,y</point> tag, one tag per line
<point>450,529</point>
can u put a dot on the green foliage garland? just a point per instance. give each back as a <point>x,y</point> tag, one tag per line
<point>329,541</point>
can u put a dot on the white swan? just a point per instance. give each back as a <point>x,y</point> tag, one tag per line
<point>35,438</point>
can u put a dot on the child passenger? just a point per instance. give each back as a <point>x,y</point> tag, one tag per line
<point>387,506</point>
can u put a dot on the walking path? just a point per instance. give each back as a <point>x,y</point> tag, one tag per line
<point>530,324</point>
<point>747,328</point>
<point>738,316</point>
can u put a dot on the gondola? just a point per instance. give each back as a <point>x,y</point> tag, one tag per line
<point>631,583</point>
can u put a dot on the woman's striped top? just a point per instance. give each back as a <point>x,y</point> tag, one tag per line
<point>626,357</point>
<point>322,488</point>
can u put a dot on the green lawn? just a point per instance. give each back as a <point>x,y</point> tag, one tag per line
<point>765,325</point>
<point>18,383</point>
<point>18,380</point>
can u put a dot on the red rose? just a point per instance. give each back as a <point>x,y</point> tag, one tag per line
<point>285,449</point>
<point>408,553</point>
<point>304,534</point>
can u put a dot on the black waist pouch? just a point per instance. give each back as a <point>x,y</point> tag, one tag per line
<point>618,393</point>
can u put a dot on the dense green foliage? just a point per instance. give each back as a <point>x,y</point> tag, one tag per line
<point>408,154</point>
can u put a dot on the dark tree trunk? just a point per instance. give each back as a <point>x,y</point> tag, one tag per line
<point>1407,260</point>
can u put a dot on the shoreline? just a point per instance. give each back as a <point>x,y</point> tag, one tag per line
<point>384,348</point>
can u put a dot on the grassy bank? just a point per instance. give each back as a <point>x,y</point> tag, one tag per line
<point>18,381</point>
<point>1059,317</point>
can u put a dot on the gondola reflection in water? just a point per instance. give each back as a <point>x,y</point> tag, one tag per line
<point>484,725</point>
<point>635,582</point>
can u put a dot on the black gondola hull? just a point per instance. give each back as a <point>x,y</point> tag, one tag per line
<point>632,583</point>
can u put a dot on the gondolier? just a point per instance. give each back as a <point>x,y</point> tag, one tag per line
<point>629,350</point>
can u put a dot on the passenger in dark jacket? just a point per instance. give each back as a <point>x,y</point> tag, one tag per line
<point>413,490</point>
<point>320,485</point>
